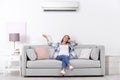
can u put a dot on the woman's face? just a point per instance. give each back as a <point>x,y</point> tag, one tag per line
<point>66,38</point>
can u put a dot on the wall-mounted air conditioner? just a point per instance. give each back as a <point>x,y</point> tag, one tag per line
<point>60,6</point>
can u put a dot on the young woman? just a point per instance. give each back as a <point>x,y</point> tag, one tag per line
<point>63,50</point>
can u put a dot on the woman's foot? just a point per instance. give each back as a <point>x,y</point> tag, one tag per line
<point>71,67</point>
<point>62,72</point>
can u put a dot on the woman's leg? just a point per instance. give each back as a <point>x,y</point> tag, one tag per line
<point>66,61</point>
<point>62,58</point>
<point>63,64</point>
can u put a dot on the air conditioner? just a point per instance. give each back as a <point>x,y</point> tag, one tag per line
<point>60,6</point>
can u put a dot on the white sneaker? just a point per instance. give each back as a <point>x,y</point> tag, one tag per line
<point>71,67</point>
<point>63,72</point>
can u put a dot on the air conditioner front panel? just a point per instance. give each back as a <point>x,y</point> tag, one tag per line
<point>60,5</point>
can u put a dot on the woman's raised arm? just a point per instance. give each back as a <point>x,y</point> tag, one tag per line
<point>49,42</point>
<point>45,36</point>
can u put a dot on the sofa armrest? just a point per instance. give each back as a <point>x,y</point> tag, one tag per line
<point>23,61</point>
<point>102,58</point>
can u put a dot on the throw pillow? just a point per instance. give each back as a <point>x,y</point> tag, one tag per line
<point>95,53</point>
<point>85,53</point>
<point>42,53</point>
<point>78,51</point>
<point>31,54</point>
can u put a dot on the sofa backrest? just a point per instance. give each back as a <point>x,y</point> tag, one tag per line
<point>95,53</point>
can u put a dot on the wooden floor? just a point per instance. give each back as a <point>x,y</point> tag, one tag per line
<point>16,76</point>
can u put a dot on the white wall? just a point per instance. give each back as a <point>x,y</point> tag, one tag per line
<point>96,22</point>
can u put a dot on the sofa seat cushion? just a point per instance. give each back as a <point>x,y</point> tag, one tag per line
<point>85,63</point>
<point>44,64</point>
<point>77,63</point>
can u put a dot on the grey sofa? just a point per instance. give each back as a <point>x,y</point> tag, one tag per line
<point>52,67</point>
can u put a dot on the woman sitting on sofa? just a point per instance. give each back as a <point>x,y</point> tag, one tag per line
<point>62,51</point>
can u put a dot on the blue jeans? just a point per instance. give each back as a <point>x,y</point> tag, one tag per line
<point>65,60</point>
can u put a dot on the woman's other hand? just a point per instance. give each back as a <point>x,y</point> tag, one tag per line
<point>44,36</point>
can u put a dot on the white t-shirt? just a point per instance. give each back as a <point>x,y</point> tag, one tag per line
<point>64,50</point>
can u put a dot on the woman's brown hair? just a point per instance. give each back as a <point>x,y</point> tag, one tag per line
<point>63,38</point>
